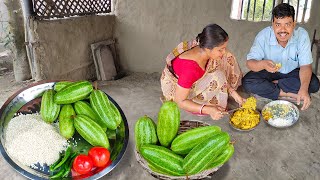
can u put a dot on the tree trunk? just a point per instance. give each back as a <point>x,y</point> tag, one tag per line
<point>16,23</point>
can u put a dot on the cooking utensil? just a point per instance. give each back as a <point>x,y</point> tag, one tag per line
<point>237,127</point>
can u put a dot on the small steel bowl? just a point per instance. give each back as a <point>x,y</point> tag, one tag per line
<point>27,101</point>
<point>239,129</point>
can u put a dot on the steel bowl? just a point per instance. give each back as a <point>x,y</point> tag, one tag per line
<point>281,118</point>
<point>27,101</point>
<point>239,129</point>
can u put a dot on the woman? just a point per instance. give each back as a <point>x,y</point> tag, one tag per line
<point>200,74</point>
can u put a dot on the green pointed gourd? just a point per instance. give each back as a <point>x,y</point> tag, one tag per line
<point>154,169</point>
<point>73,92</point>
<point>49,110</point>
<point>61,84</point>
<point>66,117</point>
<point>145,132</point>
<point>205,152</point>
<point>168,122</point>
<point>108,113</point>
<point>186,141</point>
<point>91,131</point>
<point>223,157</point>
<point>162,159</point>
<point>84,108</point>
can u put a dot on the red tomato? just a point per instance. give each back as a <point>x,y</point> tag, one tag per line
<point>82,164</point>
<point>98,169</point>
<point>99,155</point>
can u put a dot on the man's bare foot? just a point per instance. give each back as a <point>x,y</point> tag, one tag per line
<point>292,95</point>
<point>289,95</point>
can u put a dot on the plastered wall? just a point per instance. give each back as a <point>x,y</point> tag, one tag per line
<point>61,47</point>
<point>3,21</point>
<point>145,30</point>
<point>148,29</point>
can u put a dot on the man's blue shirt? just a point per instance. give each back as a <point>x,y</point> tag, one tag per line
<point>296,53</point>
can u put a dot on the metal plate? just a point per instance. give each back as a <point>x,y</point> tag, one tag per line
<point>280,113</point>
<point>27,101</point>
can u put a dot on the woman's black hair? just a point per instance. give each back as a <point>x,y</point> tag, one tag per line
<point>283,10</point>
<point>212,36</point>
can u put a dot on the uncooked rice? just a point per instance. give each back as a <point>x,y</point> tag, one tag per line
<point>30,140</point>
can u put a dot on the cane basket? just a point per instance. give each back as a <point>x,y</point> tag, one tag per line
<point>184,126</point>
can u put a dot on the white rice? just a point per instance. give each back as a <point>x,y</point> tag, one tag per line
<point>30,140</point>
<point>280,122</point>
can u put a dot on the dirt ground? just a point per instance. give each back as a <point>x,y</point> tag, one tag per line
<point>264,153</point>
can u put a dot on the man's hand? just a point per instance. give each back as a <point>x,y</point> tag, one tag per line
<point>304,95</point>
<point>305,74</point>
<point>258,65</point>
<point>269,66</point>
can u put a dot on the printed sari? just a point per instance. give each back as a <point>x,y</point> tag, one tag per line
<point>212,87</point>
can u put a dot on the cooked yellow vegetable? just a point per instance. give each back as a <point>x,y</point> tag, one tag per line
<point>247,117</point>
<point>251,103</point>
<point>278,66</point>
<point>266,114</point>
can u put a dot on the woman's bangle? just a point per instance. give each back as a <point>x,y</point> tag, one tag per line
<point>201,108</point>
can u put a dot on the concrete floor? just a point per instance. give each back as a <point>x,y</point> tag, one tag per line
<point>264,153</point>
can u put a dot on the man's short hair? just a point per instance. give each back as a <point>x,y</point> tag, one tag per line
<point>283,10</point>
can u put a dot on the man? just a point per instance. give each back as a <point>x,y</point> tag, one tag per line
<point>280,61</point>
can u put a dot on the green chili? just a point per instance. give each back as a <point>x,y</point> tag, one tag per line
<point>58,175</point>
<point>68,164</point>
<point>55,163</point>
<point>73,155</point>
<point>65,157</point>
<point>67,167</point>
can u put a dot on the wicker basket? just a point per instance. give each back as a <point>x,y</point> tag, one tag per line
<point>184,126</point>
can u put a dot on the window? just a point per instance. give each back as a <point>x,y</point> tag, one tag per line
<point>47,9</point>
<point>260,10</point>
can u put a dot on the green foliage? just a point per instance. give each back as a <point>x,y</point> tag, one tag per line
<point>6,35</point>
<point>8,39</point>
<point>257,14</point>
<point>258,11</point>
